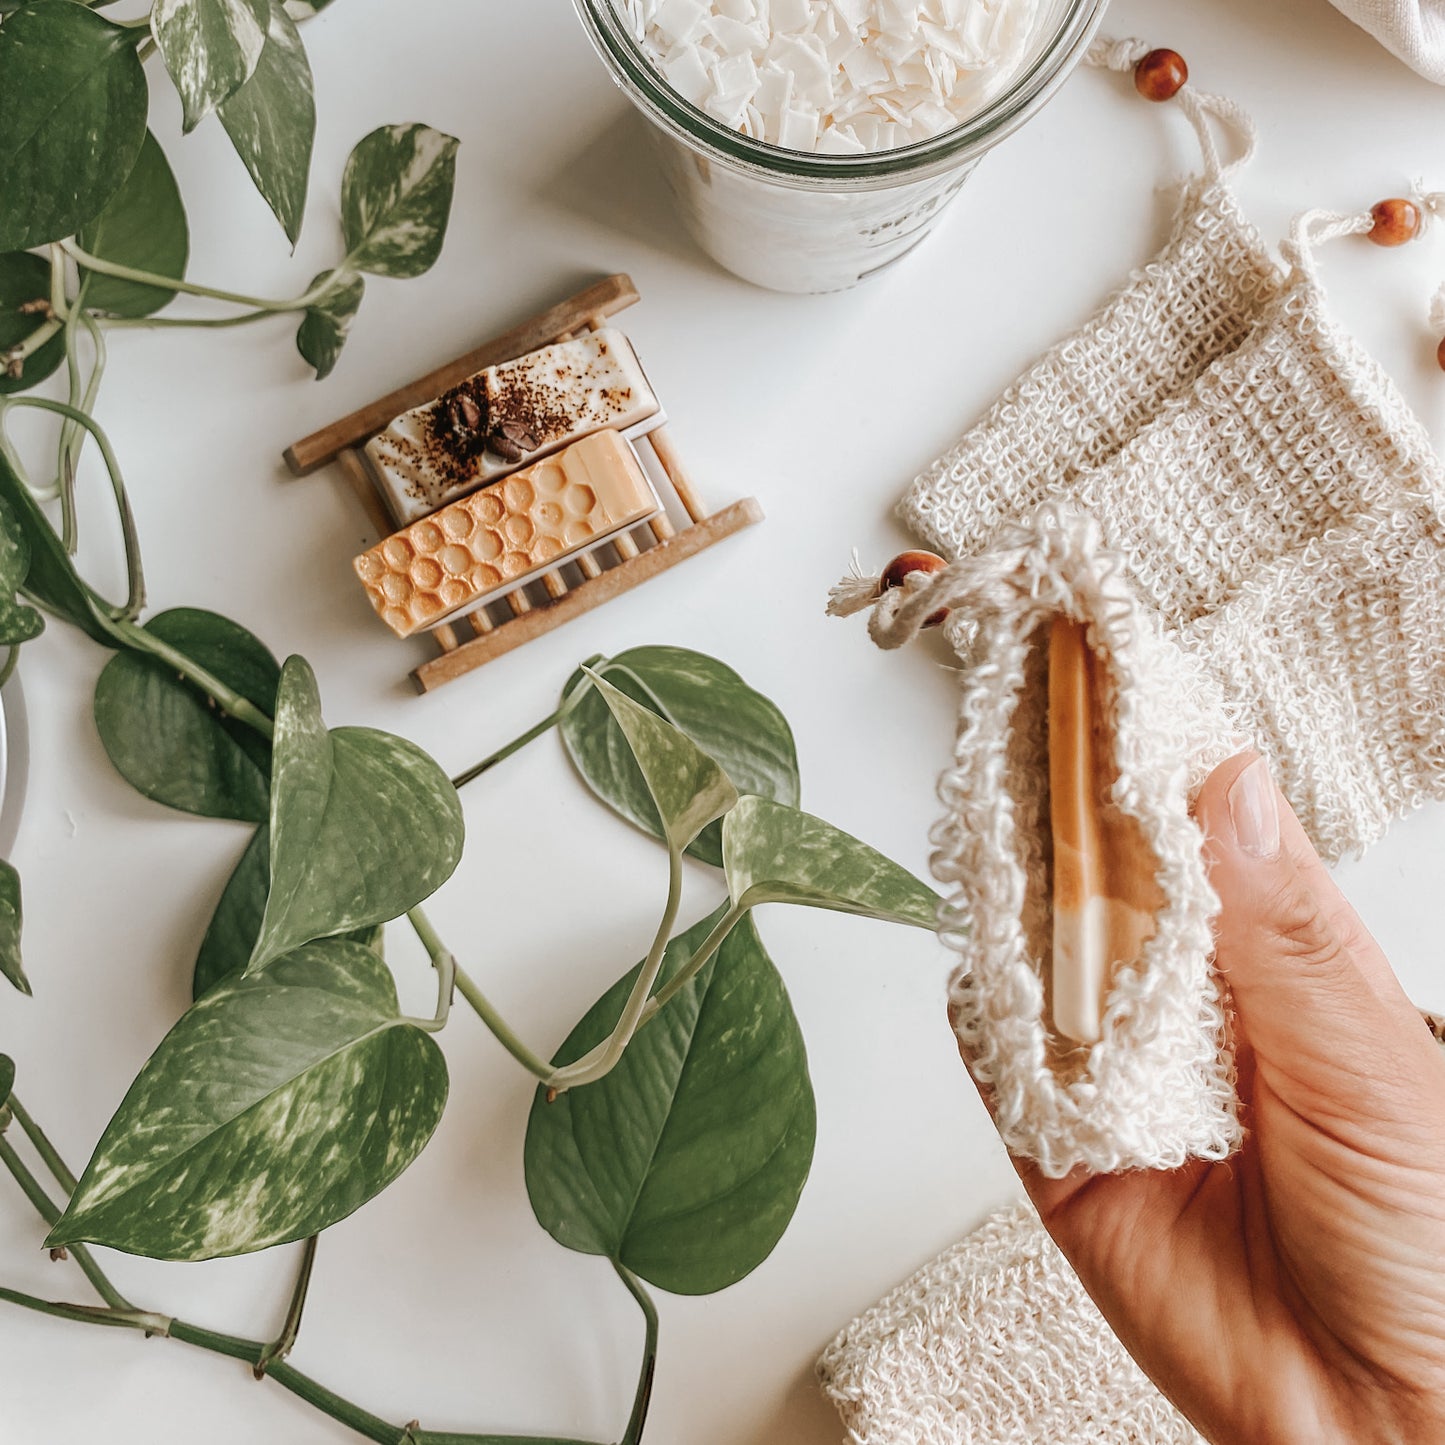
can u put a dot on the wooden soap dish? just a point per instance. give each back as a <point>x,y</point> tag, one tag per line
<point>585,580</point>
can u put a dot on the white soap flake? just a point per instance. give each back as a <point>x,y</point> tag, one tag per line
<point>734,37</point>
<point>687,75</point>
<point>798,130</point>
<point>840,141</point>
<point>791,15</point>
<point>865,67</point>
<point>841,77</point>
<point>681,20</point>
<point>737,75</point>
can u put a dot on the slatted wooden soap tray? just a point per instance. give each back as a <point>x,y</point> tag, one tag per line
<point>581,579</point>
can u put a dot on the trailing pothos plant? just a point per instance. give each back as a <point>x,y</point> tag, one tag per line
<point>671,1133</point>
<point>673,1130</point>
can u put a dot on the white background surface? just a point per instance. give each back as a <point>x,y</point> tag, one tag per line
<point>444,1299</point>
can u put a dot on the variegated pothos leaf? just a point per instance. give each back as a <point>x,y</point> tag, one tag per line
<point>73,103</point>
<point>776,854</point>
<point>743,731</point>
<point>10,922</point>
<point>272,122</point>
<point>327,324</point>
<point>396,199</point>
<point>19,622</point>
<point>210,47</point>
<point>686,785</point>
<point>364,825</point>
<point>277,1106</point>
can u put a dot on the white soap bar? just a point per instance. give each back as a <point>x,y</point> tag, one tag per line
<point>507,416</point>
<point>876,73</point>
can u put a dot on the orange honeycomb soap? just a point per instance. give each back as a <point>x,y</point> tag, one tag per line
<point>497,539</point>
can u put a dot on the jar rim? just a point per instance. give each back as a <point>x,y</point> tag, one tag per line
<point>635,73</point>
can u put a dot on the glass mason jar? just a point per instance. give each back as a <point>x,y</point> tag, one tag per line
<point>795,221</point>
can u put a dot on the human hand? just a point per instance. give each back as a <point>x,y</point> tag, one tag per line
<point>1294,1294</point>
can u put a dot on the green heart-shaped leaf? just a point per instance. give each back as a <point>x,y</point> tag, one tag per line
<point>73,102</point>
<point>396,199</point>
<point>277,1106</point>
<point>210,47</point>
<point>236,924</point>
<point>25,278</point>
<point>739,728</point>
<point>169,741</point>
<point>775,854</point>
<point>687,1161</point>
<point>687,788</point>
<point>144,227</point>
<point>10,921</point>
<point>364,825</point>
<point>50,579</point>
<point>7,1079</point>
<point>327,324</point>
<point>272,122</point>
<point>18,623</point>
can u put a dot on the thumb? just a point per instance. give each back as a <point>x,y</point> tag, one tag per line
<point>1318,1005</point>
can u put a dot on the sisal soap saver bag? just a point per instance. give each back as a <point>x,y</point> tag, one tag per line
<point>1156,1085</point>
<point>1265,563</point>
<point>995,1342</point>
<point>1274,439</point>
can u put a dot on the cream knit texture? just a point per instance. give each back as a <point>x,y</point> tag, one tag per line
<point>994,1343</point>
<point>1158,1088</point>
<point>1251,491</point>
<point>1095,391</point>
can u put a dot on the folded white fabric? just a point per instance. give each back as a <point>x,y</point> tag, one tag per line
<point>1412,29</point>
<point>994,1343</point>
<point>1157,1089</point>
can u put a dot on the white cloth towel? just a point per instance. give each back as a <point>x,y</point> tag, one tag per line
<point>1412,29</point>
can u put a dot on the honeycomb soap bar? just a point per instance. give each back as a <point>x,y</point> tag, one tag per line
<point>506,416</point>
<point>495,540</point>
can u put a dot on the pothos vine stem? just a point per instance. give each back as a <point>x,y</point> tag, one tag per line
<point>643,1398</point>
<point>102,267</point>
<point>597,663</point>
<point>476,999</point>
<point>120,1314</point>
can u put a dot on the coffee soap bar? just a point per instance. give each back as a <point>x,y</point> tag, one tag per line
<point>495,540</point>
<point>507,416</point>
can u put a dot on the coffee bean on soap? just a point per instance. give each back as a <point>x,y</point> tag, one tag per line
<point>505,447</point>
<point>1396,222</point>
<point>1161,75</point>
<point>516,433</point>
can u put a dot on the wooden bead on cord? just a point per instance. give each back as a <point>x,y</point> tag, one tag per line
<point>903,566</point>
<point>1161,75</point>
<point>1396,221</point>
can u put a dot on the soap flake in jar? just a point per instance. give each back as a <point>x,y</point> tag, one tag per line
<point>876,73</point>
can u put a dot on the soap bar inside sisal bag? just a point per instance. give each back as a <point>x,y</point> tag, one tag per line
<point>1156,1088</point>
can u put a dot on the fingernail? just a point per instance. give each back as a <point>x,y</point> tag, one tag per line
<point>1254,811</point>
